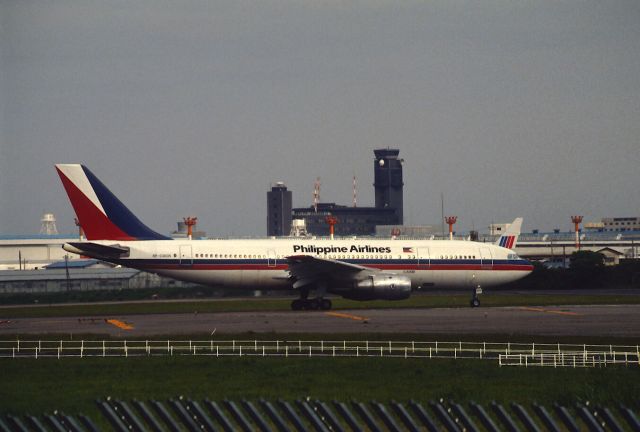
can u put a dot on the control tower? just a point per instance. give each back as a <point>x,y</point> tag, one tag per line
<point>388,183</point>
<point>279,210</point>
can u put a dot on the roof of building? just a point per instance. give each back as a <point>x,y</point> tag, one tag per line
<point>61,274</point>
<point>82,263</point>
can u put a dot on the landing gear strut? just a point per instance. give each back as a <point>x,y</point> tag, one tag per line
<point>475,301</point>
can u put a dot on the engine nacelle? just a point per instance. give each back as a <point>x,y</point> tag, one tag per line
<point>380,287</point>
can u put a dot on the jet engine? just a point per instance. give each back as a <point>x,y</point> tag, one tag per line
<point>380,287</point>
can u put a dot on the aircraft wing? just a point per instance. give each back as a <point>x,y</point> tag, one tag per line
<point>308,269</point>
<point>96,250</point>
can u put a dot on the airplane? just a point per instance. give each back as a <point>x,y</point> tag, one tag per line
<point>354,268</point>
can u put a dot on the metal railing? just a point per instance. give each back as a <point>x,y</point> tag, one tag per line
<point>507,354</point>
<point>569,359</point>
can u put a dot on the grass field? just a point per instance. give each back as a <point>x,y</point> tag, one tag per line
<point>251,304</point>
<point>73,385</point>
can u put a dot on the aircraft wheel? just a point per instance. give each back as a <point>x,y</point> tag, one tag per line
<point>475,302</point>
<point>297,304</point>
<point>314,304</point>
<point>325,304</point>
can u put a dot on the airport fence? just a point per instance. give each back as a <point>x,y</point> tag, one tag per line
<point>507,354</point>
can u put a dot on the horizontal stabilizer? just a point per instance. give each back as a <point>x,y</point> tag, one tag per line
<point>96,250</point>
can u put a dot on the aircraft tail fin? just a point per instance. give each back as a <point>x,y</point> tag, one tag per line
<point>101,215</point>
<point>510,237</point>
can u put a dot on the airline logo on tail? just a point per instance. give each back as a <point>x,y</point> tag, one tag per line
<point>102,216</point>
<point>507,241</point>
<point>510,237</point>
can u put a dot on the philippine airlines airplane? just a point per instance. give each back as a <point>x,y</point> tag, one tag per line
<point>360,269</point>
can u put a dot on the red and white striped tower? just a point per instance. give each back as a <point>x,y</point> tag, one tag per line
<point>577,220</point>
<point>451,220</point>
<point>190,222</point>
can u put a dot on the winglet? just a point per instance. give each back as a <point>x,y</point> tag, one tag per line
<point>102,216</point>
<point>510,237</point>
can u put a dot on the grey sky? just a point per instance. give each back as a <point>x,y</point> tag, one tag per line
<point>522,108</point>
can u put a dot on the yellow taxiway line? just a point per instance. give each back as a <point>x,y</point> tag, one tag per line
<point>348,316</point>
<point>535,309</point>
<point>120,324</point>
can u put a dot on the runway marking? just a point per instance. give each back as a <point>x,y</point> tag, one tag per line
<point>534,309</point>
<point>120,324</point>
<point>348,316</point>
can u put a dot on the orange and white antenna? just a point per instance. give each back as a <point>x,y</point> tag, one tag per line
<point>332,221</point>
<point>80,230</point>
<point>355,192</point>
<point>451,220</point>
<point>316,193</point>
<point>577,220</point>
<point>190,222</point>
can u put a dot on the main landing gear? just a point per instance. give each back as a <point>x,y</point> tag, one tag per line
<point>311,304</point>
<point>475,301</point>
<point>318,303</point>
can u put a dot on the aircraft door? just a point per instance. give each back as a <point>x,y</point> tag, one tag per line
<point>486,262</point>
<point>271,258</point>
<point>424,278</point>
<point>424,260</point>
<point>186,256</point>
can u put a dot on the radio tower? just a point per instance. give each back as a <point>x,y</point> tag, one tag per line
<point>316,194</point>
<point>48,226</point>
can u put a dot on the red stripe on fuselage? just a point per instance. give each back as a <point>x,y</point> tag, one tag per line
<point>95,224</point>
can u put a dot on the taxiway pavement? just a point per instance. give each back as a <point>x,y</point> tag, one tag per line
<point>597,320</point>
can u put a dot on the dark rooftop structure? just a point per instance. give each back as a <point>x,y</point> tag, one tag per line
<point>352,221</point>
<point>362,221</point>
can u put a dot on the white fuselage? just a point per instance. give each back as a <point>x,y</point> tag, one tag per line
<point>262,263</point>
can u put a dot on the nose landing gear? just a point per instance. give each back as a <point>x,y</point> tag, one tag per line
<point>475,301</point>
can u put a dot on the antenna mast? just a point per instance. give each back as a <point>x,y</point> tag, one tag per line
<point>316,194</point>
<point>355,192</point>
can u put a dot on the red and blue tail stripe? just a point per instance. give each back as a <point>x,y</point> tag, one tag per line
<point>507,241</point>
<point>102,216</point>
